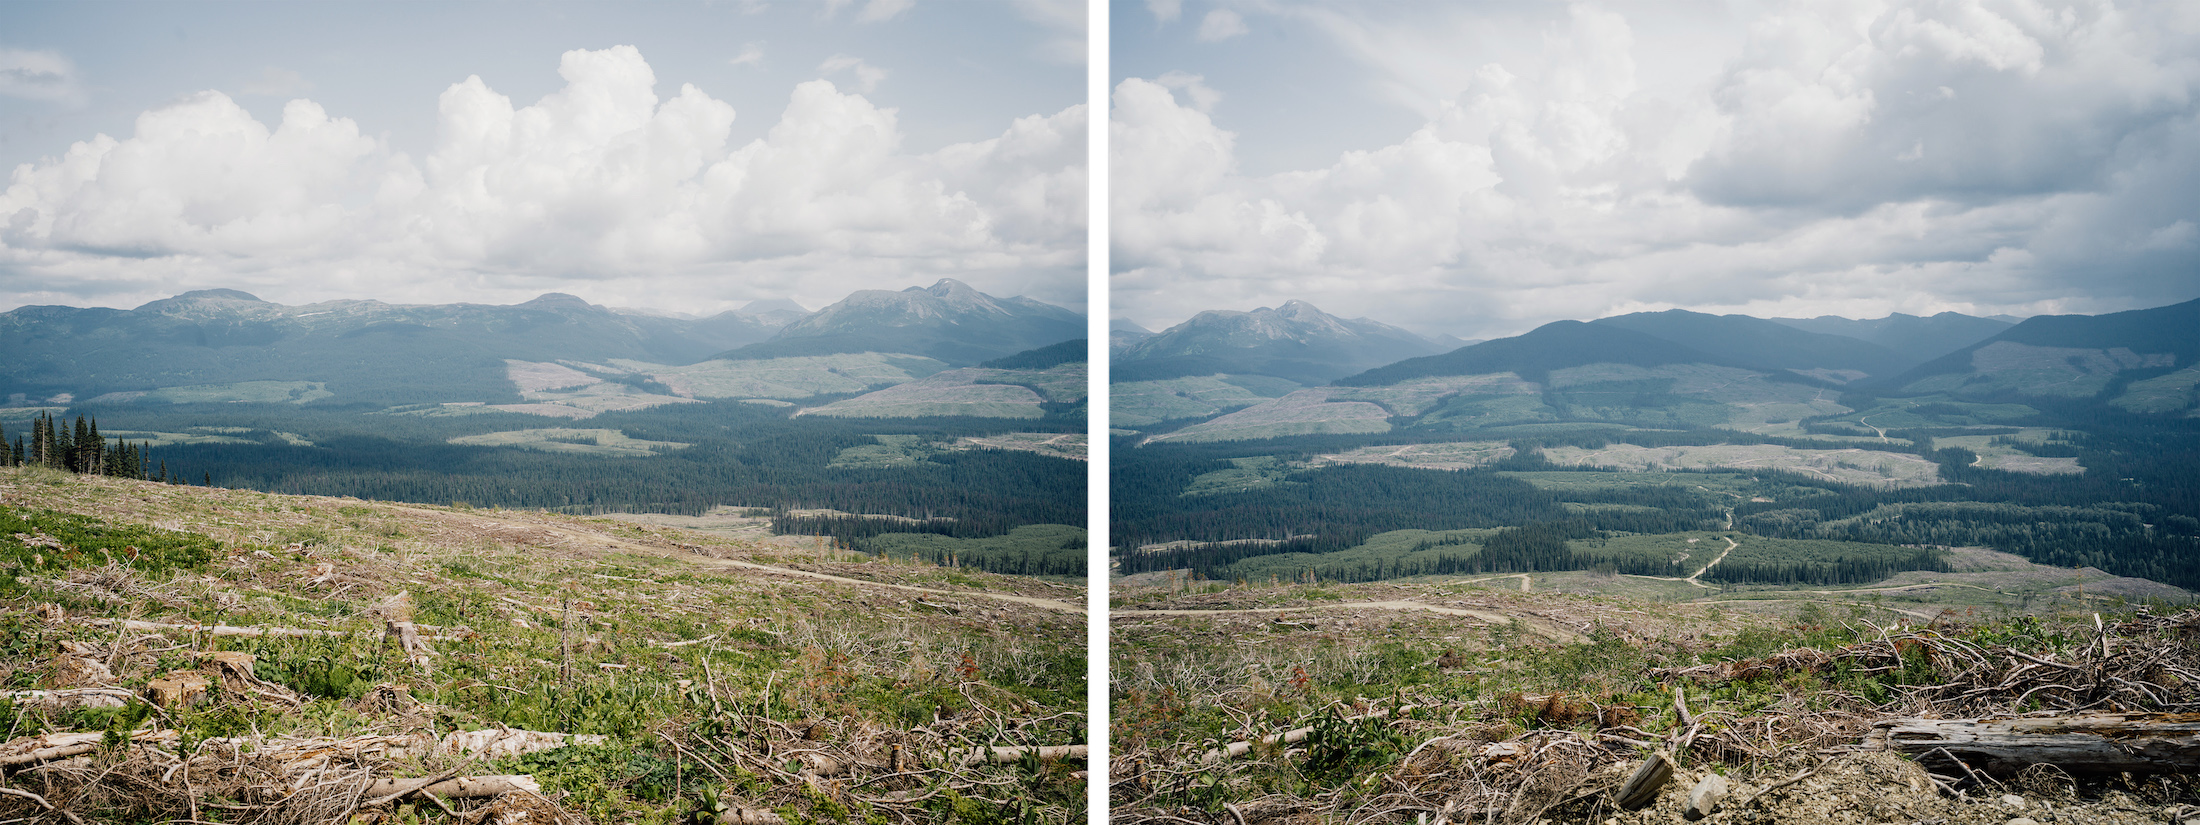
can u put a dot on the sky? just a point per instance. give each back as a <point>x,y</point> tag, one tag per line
<point>1479,169</point>
<point>686,157</point>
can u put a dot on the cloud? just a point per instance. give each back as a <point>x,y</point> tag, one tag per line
<point>1219,25</point>
<point>1859,158</point>
<point>275,81</point>
<point>600,187</point>
<point>1165,11</point>
<point>752,54</point>
<point>867,76</point>
<point>1065,21</point>
<point>39,75</point>
<point>879,11</point>
<point>1194,87</point>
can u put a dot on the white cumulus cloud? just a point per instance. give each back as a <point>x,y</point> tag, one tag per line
<point>1855,157</point>
<point>601,188</point>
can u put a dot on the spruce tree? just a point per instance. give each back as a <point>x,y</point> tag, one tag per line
<point>78,459</point>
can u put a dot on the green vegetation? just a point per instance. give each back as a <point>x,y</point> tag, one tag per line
<point>599,442</point>
<point>706,680</point>
<point>44,541</point>
<point>1032,550</point>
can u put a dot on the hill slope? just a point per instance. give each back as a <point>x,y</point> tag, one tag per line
<point>1535,354</point>
<point>2072,356</point>
<point>658,657</point>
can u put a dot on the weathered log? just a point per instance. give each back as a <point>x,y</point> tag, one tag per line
<point>1289,737</point>
<point>433,634</point>
<point>1642,787</point>
<point>48,747</point>
<point>749,816</point>
<point>70,698</point>
<point>1006,754</point>
<point>463,787</point>
<point>1237,749</point>
<point>2080,743</point>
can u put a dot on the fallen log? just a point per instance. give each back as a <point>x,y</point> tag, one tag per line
<point>463,787</point>
<point>233,630</point>
<point>2080,743</point>
<point>302,754</point>
<point>1010,753</point>
<point>69,699</point>
<point>1289,737</point>
<point>1237,749</point>
<point>48,747</point>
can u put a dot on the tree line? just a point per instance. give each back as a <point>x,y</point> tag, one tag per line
<point>54,445</point>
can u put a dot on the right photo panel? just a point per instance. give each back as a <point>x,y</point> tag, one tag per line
<point>1643,412</point>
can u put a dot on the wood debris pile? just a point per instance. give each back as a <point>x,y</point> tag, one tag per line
<point>1940,684</point>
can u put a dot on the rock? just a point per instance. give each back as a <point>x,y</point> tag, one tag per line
<point>2022,820</point>
<point>179,689</point>
<point>1704,798</point>
<point>2012,801</point>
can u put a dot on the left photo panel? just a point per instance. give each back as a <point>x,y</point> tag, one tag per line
<point>549,413</point>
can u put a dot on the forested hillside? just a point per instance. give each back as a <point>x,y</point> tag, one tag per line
<point>2070,441</point>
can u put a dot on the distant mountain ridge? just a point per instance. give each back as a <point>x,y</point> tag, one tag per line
<point>1296,341</point>
<point>2071,356</point>
<point>358,347</point>
<point>1534,354</point>
<point>1740,340</point>
<point>1938,334</point>
<point>948,320</point>
<point>368,351</point>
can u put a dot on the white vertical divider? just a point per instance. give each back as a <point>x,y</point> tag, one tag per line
<point>1096,405</point>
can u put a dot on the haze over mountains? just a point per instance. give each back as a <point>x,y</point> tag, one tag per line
<point>556,349</point>
<point>947,320</point>
<point>1671,368</point>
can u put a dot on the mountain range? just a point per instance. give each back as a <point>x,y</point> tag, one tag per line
<point>1295,341</point>
<point>364,351</point>
<point>948,320</point>
<point>1688,369</point>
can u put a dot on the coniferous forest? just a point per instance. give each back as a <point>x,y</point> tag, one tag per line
<point>2131,512</point>
<point>724,453</point>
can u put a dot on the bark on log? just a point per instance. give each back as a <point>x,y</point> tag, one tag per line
<point>2089,742</point>
<point>463,787</point>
